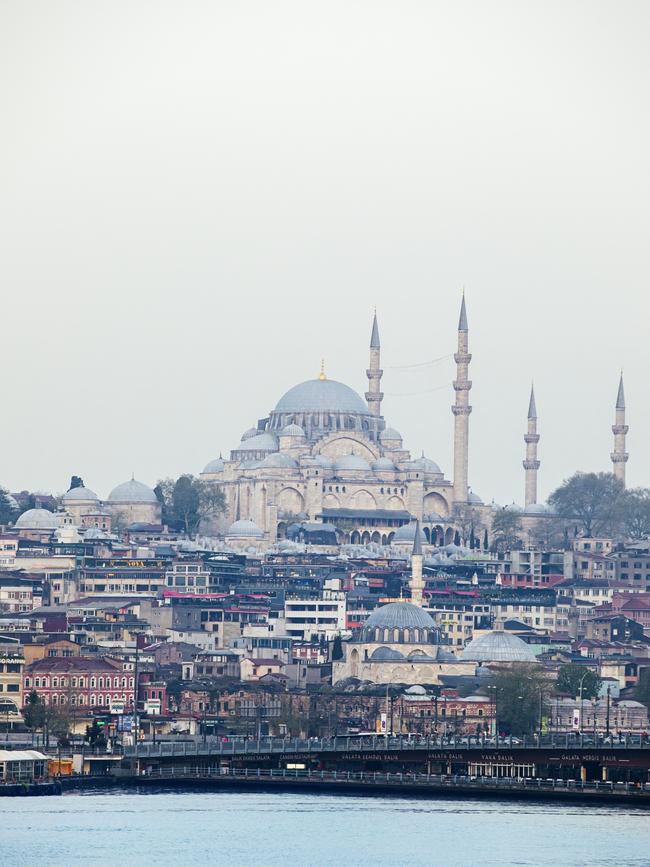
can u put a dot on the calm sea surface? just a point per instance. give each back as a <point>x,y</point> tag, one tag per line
<point>204,828</point>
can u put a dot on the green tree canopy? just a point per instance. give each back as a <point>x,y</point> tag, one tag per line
<point>569,679</point>
<point>635,513</point>
<point>34,711</point>
<point>520,690</point>
<point>642,689</point>
<point>187,501</point>
<point>592,500</point>
<point>8,513</point>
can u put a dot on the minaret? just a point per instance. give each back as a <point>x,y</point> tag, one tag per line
<point>531,464</point>
<point>374,395</point>
<point>461,409</point>
<point>416,583</point>
<point>619,429</point>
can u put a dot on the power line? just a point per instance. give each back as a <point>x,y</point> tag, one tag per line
<point>420,363</point>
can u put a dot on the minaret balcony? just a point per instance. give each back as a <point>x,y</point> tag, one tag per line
<point>531,465</point>
<point>462,384</point>
<point>462,357</point>
<point>374,373</point>
<point>531,438</point>
<point>619,457</point>
<point>618,429</point>
<point>461,410</point>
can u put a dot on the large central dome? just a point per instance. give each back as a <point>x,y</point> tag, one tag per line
<point>322,395</point>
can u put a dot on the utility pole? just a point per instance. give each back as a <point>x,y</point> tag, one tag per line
<point>136,672</point>
<point>607,715</point>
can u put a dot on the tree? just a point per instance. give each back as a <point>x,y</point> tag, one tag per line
<point>642,689</point>
<point>57,721</point>
<point>635,513</point>
<point>34,712</point>
<point>95,736</point>
<point>468,521</point>
<point>506,528</point>
<point>569,679</point>
<point>76,482</point>
<point>8,513</point>
<point>594,500</point>
<point>548,532</point>
<point>486,541</point>
<point>187,501</point>
<point>337,648</point>
<point>521,692</point>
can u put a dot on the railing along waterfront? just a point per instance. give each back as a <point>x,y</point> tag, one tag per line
<point>378,743</point>
<point>384,778</point>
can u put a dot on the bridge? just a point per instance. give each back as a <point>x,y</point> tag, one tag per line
<point>557,756</point>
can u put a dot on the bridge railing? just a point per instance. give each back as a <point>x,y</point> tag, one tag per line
<point>371,778</point>
<point>380,743</point>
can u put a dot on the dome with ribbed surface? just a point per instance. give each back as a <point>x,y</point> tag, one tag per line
<point>321,395</point>
<point>277,460</point>
<point>390,434</point>
<point>132,492</point>
<point>384,465</point>
<point>292,430</point>
<point>37,519</point>
<point>80,493</point>
<point>399,615</point>
<point>406,533</point>
<point>248,434</point>
<point>498,646</point>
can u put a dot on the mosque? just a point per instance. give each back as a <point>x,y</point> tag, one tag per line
<point>324,454</point>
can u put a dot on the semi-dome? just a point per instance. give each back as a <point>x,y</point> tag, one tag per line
<point>80,493</point>
<point>424,464</point>
<point>406,533</point>
<point>474,499</point>
<point>322,395</point>
<point>245,528</point>
<point>386,654</point>
<point>352,462</point>
<point>37,519</point>
<point>513,507</point>
<point>498,646</point>
<point>261,442</point>
<point>248,434</point>
<point>324,461</point>
<point>384,465</point>
<point>390,433</point>
<point>292,430</point>
<point>399,615</point>
<point>215,466</point>
<point>132,492</point>
<point>277,460</point>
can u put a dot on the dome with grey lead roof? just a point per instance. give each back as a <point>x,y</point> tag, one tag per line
<point>390,433</point>
<point>386,654</point>
<point>244,528</point>
<point>261,442</point>
<point>215,466</point>
<point>406,533</point>
<point>322,395</point>
<point>537,509</point>
<point>474,499</point>
<point>132,492</point>
<point>513,507</point>
<point>37,519</point>
<point>324,461</point>
<point>384,465</point>
<point>79,493</point>
<point>399,623</point>
<point>277,460</point>
<point>292,430</point>
<point>248,434</point>
<point>352,462</point>
<point>498,646</point>
<point>424,464</point>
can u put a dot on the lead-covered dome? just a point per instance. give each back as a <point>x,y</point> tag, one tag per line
<point>37,519</point>
<point>292,430</point>
<point>321,395</point>
<point>244,528</point>
<point>352,462</point>
<point>406,533</point>
<point>399,623</point>
<point>79,494</point>
<point>498,646</point>
<point>215,466</point>
<point>132,491</point>
<point>259,443</point>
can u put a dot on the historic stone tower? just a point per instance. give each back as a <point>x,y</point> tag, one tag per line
<point>374,395</point>
<point>531,464</point>
<point>461,409</point>
<point>417,581</point>
<point>619,429</point>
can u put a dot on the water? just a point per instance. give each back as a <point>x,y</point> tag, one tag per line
<point>309,830</point>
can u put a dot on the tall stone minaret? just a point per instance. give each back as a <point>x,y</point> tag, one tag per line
<point>374,395</point>
<point>417,581</point>
<point>531,464</point>
<point>461,409</point>
<point>619,429</point>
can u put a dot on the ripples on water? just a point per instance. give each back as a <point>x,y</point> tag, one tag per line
<point>229,828</point>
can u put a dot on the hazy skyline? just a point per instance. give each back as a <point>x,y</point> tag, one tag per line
<point>202,200</point>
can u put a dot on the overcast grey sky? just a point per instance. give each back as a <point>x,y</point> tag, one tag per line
<point>199,200</point>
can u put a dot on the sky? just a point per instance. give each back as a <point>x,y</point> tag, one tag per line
<point>200,200</point>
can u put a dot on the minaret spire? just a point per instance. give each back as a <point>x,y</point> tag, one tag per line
<point>461,409</point>
<point>417,582</point>
<point>374,395</point>
<point>531,464</point>
<point>619,429</point>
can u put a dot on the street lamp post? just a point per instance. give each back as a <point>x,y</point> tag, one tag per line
<point>607,714</point>
<point>582,680</point>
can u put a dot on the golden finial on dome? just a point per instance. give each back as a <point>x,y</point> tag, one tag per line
<point>321,375</point>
